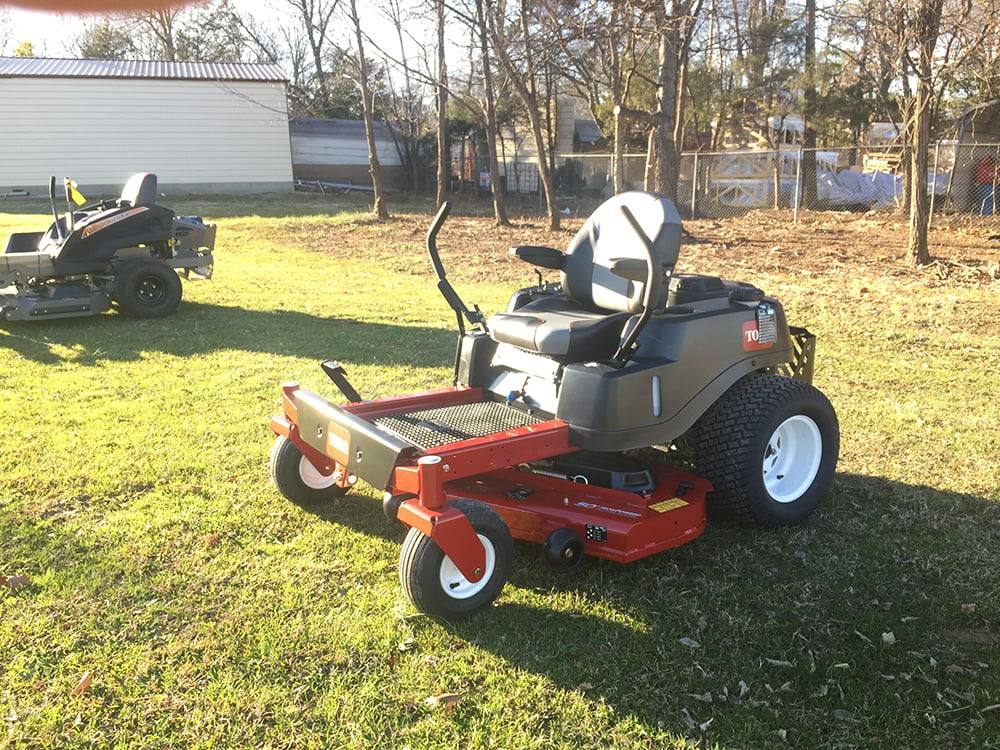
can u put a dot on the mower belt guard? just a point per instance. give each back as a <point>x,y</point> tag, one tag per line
<point>365,450</point>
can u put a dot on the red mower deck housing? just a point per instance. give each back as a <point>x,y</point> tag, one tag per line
<point>616,525</point>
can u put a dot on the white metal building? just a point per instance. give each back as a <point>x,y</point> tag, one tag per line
<point>201,127</point>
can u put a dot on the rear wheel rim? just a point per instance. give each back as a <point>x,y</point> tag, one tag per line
<point>150,290</point>
<point>792,459</point>
<point>456,585</point>
<point>312,477</point>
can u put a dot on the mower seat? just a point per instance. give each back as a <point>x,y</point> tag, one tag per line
<point>559,328</point>
<point>140,190</point>
<point>585,322</point>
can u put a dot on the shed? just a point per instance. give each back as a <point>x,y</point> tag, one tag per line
<point>337,151</point>
<point>203,127</point>
<point>975,156</point>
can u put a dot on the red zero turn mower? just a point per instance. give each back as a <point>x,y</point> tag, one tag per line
<point>596,416</point>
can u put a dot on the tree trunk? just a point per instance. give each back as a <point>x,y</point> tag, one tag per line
<point>379,208</point>
<point>442,115</point>
<point>662,149</point>
<point>525,87</point>
<point>496,186</point>
<point>928,26</point>
<point>808,165</point>
<point>918,249</point>
<point>618,156</point>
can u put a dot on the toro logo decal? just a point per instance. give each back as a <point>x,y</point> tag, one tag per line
<point>338,443</point>
<point>97,226</point>
<point>752,339</point>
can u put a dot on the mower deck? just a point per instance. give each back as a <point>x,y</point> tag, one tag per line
<point>616,525</point>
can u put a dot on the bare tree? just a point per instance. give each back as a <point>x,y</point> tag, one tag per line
<point>379,208</point>
<point>490,115</point>
<point>442,107</point>
<point>808,167</point>
<point>673,22</point>
<point>512,36</point>
<point>603,50</point>
<point>315,17</point>
<point>6,30</point>
<point>159,28</point>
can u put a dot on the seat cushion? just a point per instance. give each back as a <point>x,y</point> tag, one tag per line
<point>558,327</point>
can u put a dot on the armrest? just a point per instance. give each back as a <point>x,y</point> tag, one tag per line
<point>536,255</point>
<point>633,269</point>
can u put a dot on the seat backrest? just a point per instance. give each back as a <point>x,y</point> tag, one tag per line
<point>607,235</point>
<point>140,190</point>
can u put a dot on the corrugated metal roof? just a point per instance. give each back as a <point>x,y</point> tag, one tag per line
<point>51,67</point>
<point>334,128</point>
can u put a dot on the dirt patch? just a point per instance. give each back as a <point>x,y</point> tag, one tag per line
<point>821,244</point>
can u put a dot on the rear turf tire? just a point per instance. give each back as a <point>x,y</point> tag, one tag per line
<point>147,289</point>
<point>431,581</point>
<point>297,479</point>
<point>769,446</point>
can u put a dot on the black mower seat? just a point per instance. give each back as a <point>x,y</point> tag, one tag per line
<point>586,321</point>
<point>560,328</point>
<point>140,190</point>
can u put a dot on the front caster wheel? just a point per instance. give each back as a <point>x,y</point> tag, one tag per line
<point>436,586</point>
<point>297,479</point>
<point>390,506</point>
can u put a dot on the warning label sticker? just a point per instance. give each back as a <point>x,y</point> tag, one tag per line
<point>672,504</point>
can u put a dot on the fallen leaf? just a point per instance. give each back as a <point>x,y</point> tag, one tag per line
<point>842,665</point>
<point>889,638</point>
<point>783,735</point>
<point>968,609</point>
<point>779,663</point>
<point>408,645</point>
<point>213,539</point>
<point>83,684</point>
<point>444,701</point>
<point>15,583</point>
<point>584,686</point>
<point>689,642</point>
<point>701,697</point>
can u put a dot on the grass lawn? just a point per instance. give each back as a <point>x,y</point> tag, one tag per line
<point>211,613</point>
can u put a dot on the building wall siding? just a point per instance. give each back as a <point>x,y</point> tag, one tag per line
<point>100,131</point>
<point>315,149</point>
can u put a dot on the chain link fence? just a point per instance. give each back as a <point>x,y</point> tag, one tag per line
<point>963,179</point>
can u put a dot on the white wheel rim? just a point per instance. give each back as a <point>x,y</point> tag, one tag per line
<point>312,478</point>
<point>456,585</point>
<point>792,458</point>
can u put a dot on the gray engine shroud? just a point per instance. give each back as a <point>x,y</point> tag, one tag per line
<point>688,356</point>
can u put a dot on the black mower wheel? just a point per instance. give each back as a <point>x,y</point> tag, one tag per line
<point>297,479</point>
<point>390,506</point>
<point>770,447</point>
<point>436,587</point>
<point>147,289</point>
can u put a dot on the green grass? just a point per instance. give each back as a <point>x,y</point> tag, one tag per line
<point>214,614</point>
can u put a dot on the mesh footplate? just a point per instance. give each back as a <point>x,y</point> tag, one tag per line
<point>449,424</point>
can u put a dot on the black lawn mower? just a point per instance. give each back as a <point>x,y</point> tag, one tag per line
<point>600,415</point>
<point>127,251</point>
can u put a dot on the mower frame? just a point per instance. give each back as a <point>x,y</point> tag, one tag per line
<point>615,524</point>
